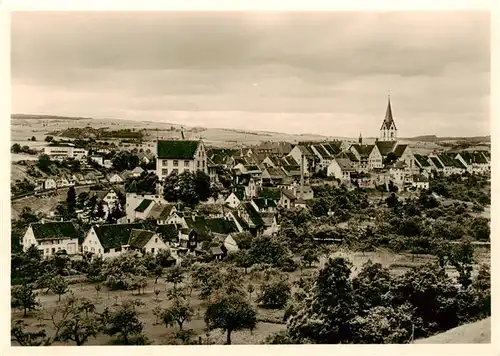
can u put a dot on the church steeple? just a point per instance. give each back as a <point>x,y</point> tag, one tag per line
<point>388,130</point>
<point>360,140</point>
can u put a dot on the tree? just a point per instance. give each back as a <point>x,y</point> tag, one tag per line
<point>326,308</point>
<point>44,163</point>
<point>123,322</point>
<point>59,286</point>
<point>202,185</point>
<point>372,285</point>
<point>71,199</point>
<point>100,213</point>
<point>23,337</point>
<point>175,275</point>
<point>275,294</point>
<point>158,272</point>
<point>392,201</point>
<point>24,298</point>
<point>310,256</point>
<point>242,259</point>
<point>230,313</point>
<point>76,320</point>
<point>461,256</point>
<point>178,312</point>
<point>16,148</point>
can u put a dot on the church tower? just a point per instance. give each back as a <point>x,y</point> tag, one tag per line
<point>388,131</point>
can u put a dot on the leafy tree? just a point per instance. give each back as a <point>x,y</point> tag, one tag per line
<point>269,250</point>
<point>44,163</point>
<point>392,201</point>
<point>175,275</point>
<point>124,323</point>
<point>372,285</point>
<point>71,198</point>
<point>242,259</point>
<point>325,311</point>
<point>16,148</point>
<point>24,337</point>
<point>24,298</point>
<point>100,213</point>
<point>180,311</point>
<point>275,294</point>
<point>243,239</point>
<point>76,320</point>
<point>310,256</point>
<point>202,185</point>
<point>59,286</point>
<point>461,256</point>
<point>230,313</point>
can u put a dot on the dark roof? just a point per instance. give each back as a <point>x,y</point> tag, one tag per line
<point>388,120</point>
<point>422,160</point>
<point>363,150</point>
<point>240,221</point>
<point>263,203</point>
<point>322,151</point>
<point>99,194</point>
<point>217,225</point>
<point>145,203</point>
<point>176,149</point>
<point>139,238</point>
<point>305,151</point>
<point>275,173</point>
<point>115,235</point>
<point>168,232</point>
<point>165,212</point>
<point>289,194</point>
<point>399,150</point>
<point>270,193</point>
<point>333,147</point>
<point>436,162</point>
<point>54,230</point>
<point>253,214</point>
<point>345,164</point>
<point>385,147</point>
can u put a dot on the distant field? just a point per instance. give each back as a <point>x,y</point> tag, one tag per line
<point>20,157</point>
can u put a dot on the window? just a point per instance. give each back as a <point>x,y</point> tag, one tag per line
<point>46,250</point>
<point>176,163</point>
<point>164,162</point>
<point>99,250</point>
<point>156,240</point>
<point>152,250</point>
<point>164,172</point>
<point>58,249</point>
<point>106,250</point>
<point>53,250</point>
<point>92,249</point>
<point>186,163</point>
<point>86,248</point>
<point>198,164</point>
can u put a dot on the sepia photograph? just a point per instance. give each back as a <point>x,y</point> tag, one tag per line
<point>250,178</point>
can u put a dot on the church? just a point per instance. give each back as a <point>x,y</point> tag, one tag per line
<point>387,150</point>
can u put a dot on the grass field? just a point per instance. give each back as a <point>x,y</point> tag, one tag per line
<point>270,321</point>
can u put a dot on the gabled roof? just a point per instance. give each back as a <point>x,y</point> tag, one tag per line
<point>263,203</point>
<point>268,218</point>
<point>137,170</point>
<point>388,120</point>
<point>436,162</point>
<point>240,221</point>
<point>322,151</point>
<point>139,238</point>
<point>54,230</point>
<point>161,212</point>
<point>270,193</point>
<point>363,150</point>
<point>168,232</point>
<point>345,164</point>
<point>385,147</point>
<point>399,150</point>
<point>145,203</point>
<point>423,161</point>
<point>217,225</point>
<point>115,235</point>
<point>253,214</point>
<point>333,147</point>
<point>274,173</point>
<point>289,194</point>
<point>176,149</point>
<point>289,161</point>
<point>305,150</point>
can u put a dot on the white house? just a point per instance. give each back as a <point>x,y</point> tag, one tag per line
<point>300,151</point>
<point>340,168</point>
<point>97,159</point>
<point>287,199</point>
<point>107,163</point>
<point>50,237</point>
<point>230,244</point>
<point>115,179</point>
<point>143,209</point>
<point>136,172</point>
<point>133,200</point>
<point>420,181</point>
<point>50,183</point>
<point>177,156</point>
<point>232,201</point>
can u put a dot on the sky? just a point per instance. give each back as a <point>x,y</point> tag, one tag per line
<point>321,73</point>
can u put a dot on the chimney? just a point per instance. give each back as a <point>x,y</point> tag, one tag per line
<point>182,133</point>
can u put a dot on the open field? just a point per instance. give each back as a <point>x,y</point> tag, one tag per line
<point>269,321</point>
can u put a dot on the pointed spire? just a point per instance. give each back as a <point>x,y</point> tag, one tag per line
<point>388,115</point>
<point>360,140</point>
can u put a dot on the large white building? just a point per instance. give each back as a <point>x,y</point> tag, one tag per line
<point>178,156</point>
<point>64,150</point>
<point>50,237</point>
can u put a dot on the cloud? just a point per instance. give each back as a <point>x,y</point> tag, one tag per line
<point>311,66</point>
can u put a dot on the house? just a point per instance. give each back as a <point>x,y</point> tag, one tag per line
<point>143,209</point>
<point>250,217</point>
<point>397,173</point>
<point>233,201</point>
<point>161,213</point>
<point>272,176</point>
<point>115,178</point>
<point>133,200</point>
<point>436,164</point>
<point>60,151</point>
<point>109,240</point>
<point>304,193</point>
<point>422,162</point>
<point>252,189</point>
<point>177,156</point>
<point>340,168</point>
<point>146,241</point>
<point>420,181</point>
<point>270,224</point>
<point>475,161</point>
<point>287,199</point>
<point>50,183</point>
<point>62,182</point>
<point>310,160</point>
<point>97,159</point>
<point>136,172</point>
<point>264,205</point>
<point>50,237</point>
<point>107,163</point>
<point>368,156</point>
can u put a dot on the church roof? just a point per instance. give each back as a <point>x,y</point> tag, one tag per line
<point>386,124</point>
